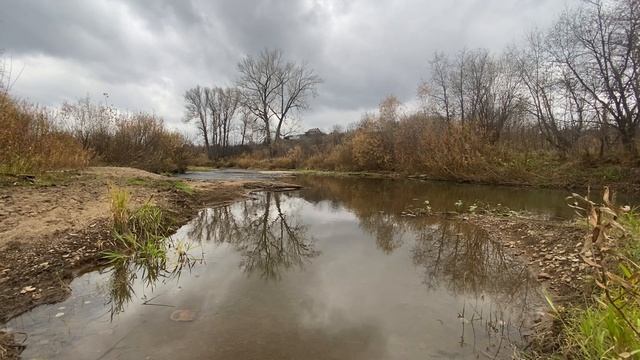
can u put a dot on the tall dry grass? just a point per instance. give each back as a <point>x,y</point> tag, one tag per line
<point>30,140</point>
<point>34,139</point>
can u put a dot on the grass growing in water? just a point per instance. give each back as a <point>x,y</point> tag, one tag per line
<point>139,233</point>
<point>141,248</point>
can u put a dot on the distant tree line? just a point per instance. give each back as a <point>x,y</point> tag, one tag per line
<point>556,109</point>
<point>261,106</point>
<point>579,76</point>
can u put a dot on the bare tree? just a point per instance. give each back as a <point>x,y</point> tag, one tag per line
<point>476,88</point>
<point>599,46</point>
<point>212,107</point>
<point>270,87</point>
<point>221,105</point>
<point>504,105</point>
<point>441,83</point>
<point>458,82</point>
<point>196,108</point>
<point>549,95</point>
<point>297,83</point>
<point>228,99</point>
<point>259,83</point>
<point>247,119</point>
<point>90,123</point>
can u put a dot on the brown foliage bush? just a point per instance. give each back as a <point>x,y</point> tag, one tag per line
<point>142,141</point>
<point>369,150</point>
<point>410,133</point>
<point>30,141</point>
<point>33,140</point>
<point>459,152</point>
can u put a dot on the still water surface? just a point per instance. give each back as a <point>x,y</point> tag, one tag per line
<point>333,271</point>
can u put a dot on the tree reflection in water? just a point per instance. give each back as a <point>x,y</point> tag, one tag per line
<point>497,289</point>
<point>461,258</point>
<point>464,259</point>
<point>453,254</point>
<point>385,228</point>
<point>269,239</point>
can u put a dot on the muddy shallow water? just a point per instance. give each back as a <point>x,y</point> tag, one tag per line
<point>335,271</point>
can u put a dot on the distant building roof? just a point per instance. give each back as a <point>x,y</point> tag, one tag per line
<point>314,132</point>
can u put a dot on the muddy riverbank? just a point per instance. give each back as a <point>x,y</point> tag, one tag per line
<point>55,229</point>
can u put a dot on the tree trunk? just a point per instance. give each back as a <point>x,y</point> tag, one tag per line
<point>278,130</point>
<point>629,143</point>
<point>207,145</point>
<point>267,130</point>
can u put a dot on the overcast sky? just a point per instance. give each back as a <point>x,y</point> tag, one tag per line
<point>145,54</point>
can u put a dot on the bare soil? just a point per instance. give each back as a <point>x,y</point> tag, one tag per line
<point>53,230</point>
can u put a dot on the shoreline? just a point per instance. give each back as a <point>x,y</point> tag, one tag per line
<point>581,183</point>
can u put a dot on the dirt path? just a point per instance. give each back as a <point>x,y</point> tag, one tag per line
<point>51,231</point>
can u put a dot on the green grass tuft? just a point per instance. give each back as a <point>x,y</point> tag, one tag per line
<point>139,233</point>
<point>184,187</point>
<point>600,333</point>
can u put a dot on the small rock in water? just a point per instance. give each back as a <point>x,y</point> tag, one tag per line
<point>183,315</point>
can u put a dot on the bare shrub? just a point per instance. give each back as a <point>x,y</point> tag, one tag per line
<point>30,141</point>
<point>143,141</point>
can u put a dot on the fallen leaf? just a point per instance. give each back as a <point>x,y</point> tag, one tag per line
<point>27,289</point>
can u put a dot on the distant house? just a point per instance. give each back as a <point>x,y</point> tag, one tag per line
<point>313,132</point>
<point>309,134</point>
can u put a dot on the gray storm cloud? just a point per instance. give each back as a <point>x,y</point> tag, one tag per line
<point>145,54</point>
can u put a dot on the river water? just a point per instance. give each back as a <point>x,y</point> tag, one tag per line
<point>334,271</point>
